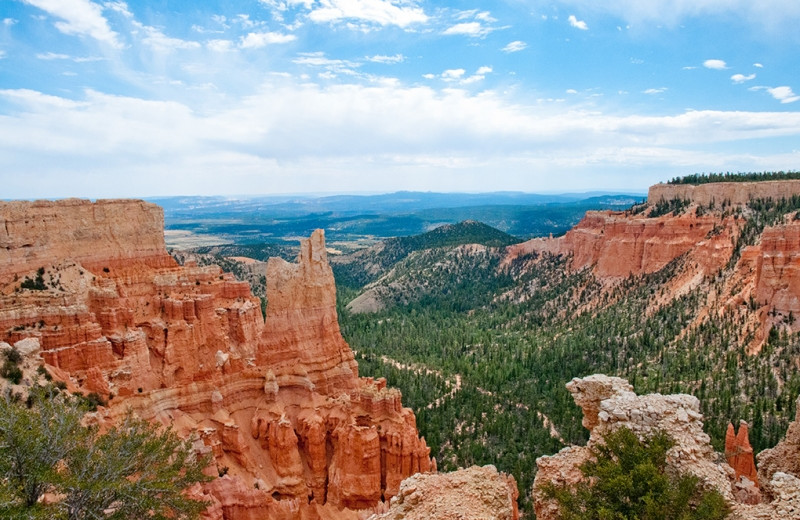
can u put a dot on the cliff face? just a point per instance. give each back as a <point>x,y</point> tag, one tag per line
<point>718,192</point>
<point>292,428</point>
<point>617,245</point>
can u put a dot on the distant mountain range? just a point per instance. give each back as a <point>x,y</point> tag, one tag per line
<point>358,217</point>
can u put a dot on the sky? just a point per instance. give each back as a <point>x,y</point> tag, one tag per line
<point>184,97</point>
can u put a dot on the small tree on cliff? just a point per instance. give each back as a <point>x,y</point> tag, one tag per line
<point>627,479</point>
<point>132,471</point>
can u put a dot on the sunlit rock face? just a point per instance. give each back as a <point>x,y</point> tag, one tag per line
<point>293,430</point>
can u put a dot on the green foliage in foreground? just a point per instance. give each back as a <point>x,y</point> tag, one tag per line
<point>628,480</point>
<point>132,471</point>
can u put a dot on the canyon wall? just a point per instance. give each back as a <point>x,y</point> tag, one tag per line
<point>718,192</point>
<point>294,432</point>
<point>619,244</point>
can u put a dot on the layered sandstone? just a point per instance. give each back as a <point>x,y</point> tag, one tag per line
<point>777,268</point>
<point>293,431</point>
<point>476,492</point>
<point>619,244</point>
<point>729,192</point>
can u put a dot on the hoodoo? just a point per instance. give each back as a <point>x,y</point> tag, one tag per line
<point>295,433</point>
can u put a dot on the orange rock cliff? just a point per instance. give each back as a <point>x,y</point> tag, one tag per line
<point>294,432</point>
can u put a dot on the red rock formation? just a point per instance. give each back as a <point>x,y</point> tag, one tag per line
<point>280,406</point>
<point>618,244</point>
<point>718,192</point>
<point>739,453</point>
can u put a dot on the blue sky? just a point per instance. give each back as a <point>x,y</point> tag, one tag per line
<point>144,98</point>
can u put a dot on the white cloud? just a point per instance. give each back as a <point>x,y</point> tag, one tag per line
<point>453,74</point>
<point>474,29</point>
<point>429,76</point>
<point>332,66</point>
<point>257,40</point>
<point>571,91</point>
<point>381,12</point>
<point>220,45</point>
<point>290,135</point>
<point>79,17</point>
<point>484,70</point>
<point>2,54</point>
<point>119,7</point>
<point>741,78</point>
<point>578,24</point>
<point>783,94</point>
<point>770,13</point>
<point>158,41</point>
<point>379,58</point>
<point>8,22</point>
<point>52,56</point>
<point>515,46</point>
<point>758,65</point>
<point>653,91</point>
<point>715,64</point>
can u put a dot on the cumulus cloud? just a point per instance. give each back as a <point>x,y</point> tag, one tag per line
<point>515,46</point>
<point>257,40</point>
<point>381,12</point>
<point>8,22</point>
<point>291,134</point>
<point>741,78</point>
<point>453,74</point>
<point>79,17</point>
<point>715,64</point>
<point>758,65</point>
<point>468,29</point>
<point>578,24</point>
<point>783,94</point>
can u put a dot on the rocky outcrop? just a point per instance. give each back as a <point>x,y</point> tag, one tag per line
<point>609,403</point>
<point>777,268</point>
<point>719,192</point>
<point>783,458</point>
<point>32,234</point>
<point>739,453</point>
<point>618,244</point>
<point>293,431</point>
<point>302,323</point>
<point>467,493</point>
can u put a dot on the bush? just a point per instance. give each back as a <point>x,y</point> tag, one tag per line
<point>134,470</point>
<point>11,371</point>
<point>630,481</point>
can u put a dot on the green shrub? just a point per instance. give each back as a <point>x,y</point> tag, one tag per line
<point>133,470</point>
<point>11,371</point>
<point>630,481</point>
